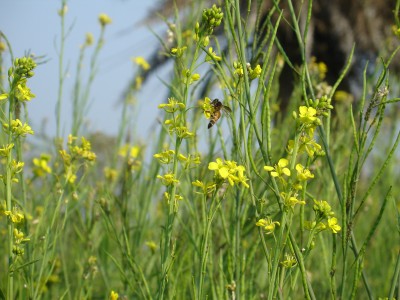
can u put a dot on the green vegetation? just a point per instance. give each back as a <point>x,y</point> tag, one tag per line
<point>290,203</point>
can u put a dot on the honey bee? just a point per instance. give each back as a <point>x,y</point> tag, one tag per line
<point>216,114</point>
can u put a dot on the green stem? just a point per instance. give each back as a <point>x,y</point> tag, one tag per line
<point>60,71</point>
<point>273,284</point>
<point>205,248</point>
<point>166,261</point>
<point>10,225</point>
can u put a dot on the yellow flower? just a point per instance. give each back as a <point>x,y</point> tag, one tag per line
<point>63,11</point>
<point>289,262</point>
<point>23,93</point>
<point>188,77</point>
<point>307,115</point>
<point>3,96</point>
<point>310,146</point>
<point>238,69</point>
<point>104,19</point>
<point>333,225</point>
<point>178,52</point>
<point>114,295</point>
<point>172,106</point>
<point>241,177</point>
<point>17,166</point>
<point>267,224</point>
<point>212,56</point>
<point>138,82</point>
<point>168,179</point>
<point>207,107</point>
<point>255,73</point>
<point>141,61</point>
<point>183,132</point>
<point>207,188</point>
<point>151,245</point>
<point>16,216</point>
<point>20,237</point>
<point>291,201</point>
<point>65,157</point>
<point>3,47</point>
<point>219,167</point>
<point>165,157</point>
<point>17,128</point>
<point>177,197</point>
<point>303,174</point>
<point>343,96</point>
<point>280,169</point>
<point>132,151</point>
<point>110,174</point>
<point>5,151</point>
<point>70,176</point>
<point>89,39</point>
<point>187,161</point>
<point>229,170</point>
<point>323,69</point>
<point>322,209</point>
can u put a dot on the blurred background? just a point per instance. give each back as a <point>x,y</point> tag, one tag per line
<point>35,27</point>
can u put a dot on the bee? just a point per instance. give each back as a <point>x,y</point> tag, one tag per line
<point>216,114</point>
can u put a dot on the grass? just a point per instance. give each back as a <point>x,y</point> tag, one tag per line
<point>282,203</point>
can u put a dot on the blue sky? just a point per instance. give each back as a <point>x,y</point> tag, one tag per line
<point>34,25</point>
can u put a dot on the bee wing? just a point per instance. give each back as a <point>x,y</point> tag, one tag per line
<point>226,109</point>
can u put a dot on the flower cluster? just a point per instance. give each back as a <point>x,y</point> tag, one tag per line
<point>289,184</point>
<point>211,18</point>
<point>16,167</point>
<point>110,174</point>
<point>6,150</point>
<point>23,68</point>
<point>207,188</point>
<point>212,56</point>
<point>188,77</point>
<point>323,212</point>
<point>317,69</point>
<point>308,119</point>
<point>253,73</point>
<point>322,105</point>
<point>23,92</point>
<point>172,106</point>
<point>168,179</point>
<point>141,62</point>
<point>267,224</point>
<point>176,125</point>
<point>89,39</point>
<point>132,156</point>
<point>18,74</point>
<point>179,51</point>
<point>40,165</point>
<point>17,217</point>
<point>289,262</point>
<point>165,157</point>
<point>228,170</point>
<point>16,128</point>
<point>75,156</point>
<point>167,197</point>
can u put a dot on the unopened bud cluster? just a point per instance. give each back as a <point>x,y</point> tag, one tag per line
<point>23,68</point>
